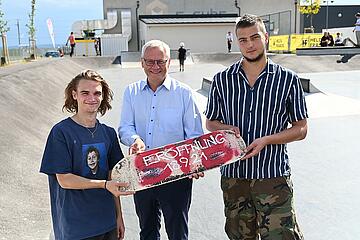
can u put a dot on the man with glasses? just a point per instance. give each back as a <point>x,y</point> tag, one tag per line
<point>157,111</point>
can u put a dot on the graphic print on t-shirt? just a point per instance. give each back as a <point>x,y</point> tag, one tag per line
<point>95,160</point>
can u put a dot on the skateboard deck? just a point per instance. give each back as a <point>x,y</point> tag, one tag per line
<point>178,160</point>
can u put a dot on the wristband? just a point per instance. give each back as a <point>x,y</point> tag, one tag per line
<point>105,184</point>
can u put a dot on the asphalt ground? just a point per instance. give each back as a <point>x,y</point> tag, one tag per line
<point>324,165</point>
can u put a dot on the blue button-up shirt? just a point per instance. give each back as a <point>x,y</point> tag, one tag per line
<point>275,101</point>
<point>165,116</point>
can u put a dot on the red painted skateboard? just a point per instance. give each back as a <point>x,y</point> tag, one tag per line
<point>179,160</point>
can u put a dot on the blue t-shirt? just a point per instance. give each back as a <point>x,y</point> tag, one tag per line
<point>70,148</point>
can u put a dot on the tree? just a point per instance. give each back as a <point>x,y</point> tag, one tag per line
<point>3,23</point>
<point>32,29</point>
<point>3,29</point>
<point>310,8</point>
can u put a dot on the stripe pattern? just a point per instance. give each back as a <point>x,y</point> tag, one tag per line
<point>275,100</point>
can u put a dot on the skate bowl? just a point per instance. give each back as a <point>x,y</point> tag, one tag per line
<point>32,99</point>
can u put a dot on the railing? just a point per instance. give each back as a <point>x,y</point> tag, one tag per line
<point>23,52</point>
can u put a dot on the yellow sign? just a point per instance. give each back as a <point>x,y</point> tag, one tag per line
<point>279,43</point>
<point>86,41</point>
<point>304,41</point>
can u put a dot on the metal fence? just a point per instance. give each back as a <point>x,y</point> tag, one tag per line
<point>278,23</point>
<point>23,52</point>
<point>18,41</point>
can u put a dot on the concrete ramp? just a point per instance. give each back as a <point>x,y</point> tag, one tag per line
<point>95,63</point>
<point>225,58</point>
<point>299,64</point>
<point>32,98</point>
<point>306,84</point>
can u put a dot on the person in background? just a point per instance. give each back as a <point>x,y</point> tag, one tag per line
<point>356,29</point>
<point>72,41</point>
<point>182,56</point>
<point>97,46</point>
<point>327,40</point>
<point>331,40</point>
<point>61,52</point>
<point>229,40</point>
<point>338,40</point>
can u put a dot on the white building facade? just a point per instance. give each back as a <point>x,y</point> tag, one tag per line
<point>207,35</point>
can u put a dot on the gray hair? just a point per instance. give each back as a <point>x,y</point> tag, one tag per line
<point>156,43</point>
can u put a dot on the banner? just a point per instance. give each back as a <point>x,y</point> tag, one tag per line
<point>304,41</point>
<point>279,43</point>
<point>308,2</point>
<point>51,31</point>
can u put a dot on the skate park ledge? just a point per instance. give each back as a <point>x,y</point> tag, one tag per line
<point>316,51</point>
<point>305,83</point>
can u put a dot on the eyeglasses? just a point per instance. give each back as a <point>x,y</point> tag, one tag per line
<point>151,62</point>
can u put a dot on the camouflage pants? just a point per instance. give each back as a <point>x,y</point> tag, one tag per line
<point>259,209</point>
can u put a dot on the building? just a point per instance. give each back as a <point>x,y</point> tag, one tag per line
<point>331,16</point>
<point>201,24</point>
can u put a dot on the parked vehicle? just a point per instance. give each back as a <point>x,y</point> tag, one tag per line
<point>52,54</point>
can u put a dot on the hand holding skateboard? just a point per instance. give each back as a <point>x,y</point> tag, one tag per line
<point>179,160</point>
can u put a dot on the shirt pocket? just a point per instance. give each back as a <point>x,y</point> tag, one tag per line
<point>170,120</point>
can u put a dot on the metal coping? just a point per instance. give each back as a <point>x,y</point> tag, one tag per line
<point>188,18</point>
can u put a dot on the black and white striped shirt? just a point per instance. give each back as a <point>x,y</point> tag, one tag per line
<point>275,100</point>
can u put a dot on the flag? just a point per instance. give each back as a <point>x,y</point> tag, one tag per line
<point>51,31</point>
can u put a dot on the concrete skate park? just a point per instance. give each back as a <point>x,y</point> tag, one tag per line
<point>324,165</point>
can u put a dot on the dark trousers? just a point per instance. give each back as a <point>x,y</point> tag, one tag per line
<point>173,200</point>
<point>181,63</point>
<point>229,46</point>
<point>72,46</point>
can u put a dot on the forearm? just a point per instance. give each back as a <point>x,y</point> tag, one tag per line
<point>192,120</point>
<point>117,201</point>
<point>214,125</point>
<point>127,130</point>
<point>118,207</point>
<point>296,132</point>
<point>127,135</point>
<point>72,181</point>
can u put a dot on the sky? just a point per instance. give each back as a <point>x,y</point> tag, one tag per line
<point>63,14</point>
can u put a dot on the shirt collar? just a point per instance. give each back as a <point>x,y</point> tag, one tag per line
<point>270,66</point>
<point>268,69</point>
<point>166,83</point>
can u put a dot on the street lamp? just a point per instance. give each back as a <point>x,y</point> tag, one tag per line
<point>137,24</point>
<point>296,9</point>
<point>237,6</point>
<point>327,12</point>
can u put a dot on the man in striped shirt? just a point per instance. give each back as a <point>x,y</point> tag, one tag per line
<point>264,103</point>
